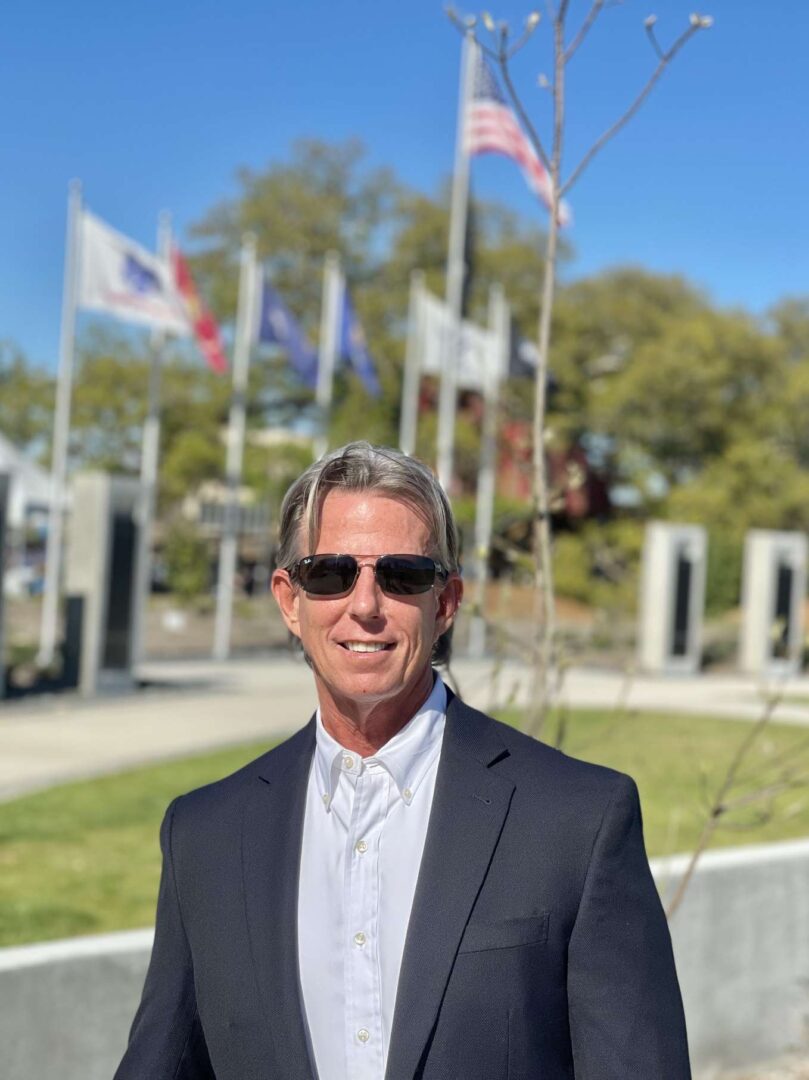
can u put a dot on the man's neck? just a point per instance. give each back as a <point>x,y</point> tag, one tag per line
<point>365,728</point>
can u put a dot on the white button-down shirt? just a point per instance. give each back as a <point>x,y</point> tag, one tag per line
<point>363,838</point>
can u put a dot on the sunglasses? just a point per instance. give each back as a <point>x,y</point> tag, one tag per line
<point>397,575</point>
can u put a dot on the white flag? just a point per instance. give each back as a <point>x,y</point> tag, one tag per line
<point>119,277</point>
<point>477,349</point>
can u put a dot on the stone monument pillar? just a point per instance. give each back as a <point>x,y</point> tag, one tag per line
<point>5,486</point>
<point>773,592</point>
<point>101,582</point>
<point>672,598</point>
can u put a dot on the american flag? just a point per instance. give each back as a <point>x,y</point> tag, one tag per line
<point>492,128</point>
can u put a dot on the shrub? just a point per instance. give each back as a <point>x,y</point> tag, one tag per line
<point>187,561</point>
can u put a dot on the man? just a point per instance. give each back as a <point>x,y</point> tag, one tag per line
<point>405,888</point>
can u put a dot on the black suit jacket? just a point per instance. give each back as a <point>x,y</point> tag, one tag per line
<point>537,948</point>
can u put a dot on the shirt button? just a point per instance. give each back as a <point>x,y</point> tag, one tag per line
<point>360,939</point>
<point>348,762</point>
<point>407,794</point>
<point>361,847</point>
<point>363,1035</point>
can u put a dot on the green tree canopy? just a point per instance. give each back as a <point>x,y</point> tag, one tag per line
<point>702,410</point>
<point>680,399</point>
<point>26,401</point>
<point>323,199</point>
<point>326,197</point>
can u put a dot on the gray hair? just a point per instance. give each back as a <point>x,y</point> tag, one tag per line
<point>359,466</point>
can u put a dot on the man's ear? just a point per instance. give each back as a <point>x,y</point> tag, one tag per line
<point>449,600</point>
<point>286,597</point>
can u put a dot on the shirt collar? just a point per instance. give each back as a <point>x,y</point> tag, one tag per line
<point>407,757</point>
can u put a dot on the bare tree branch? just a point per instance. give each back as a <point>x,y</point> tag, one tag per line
<point>622,121</point>
<point>649,26</point>
<point>487,50</point>
<point>704,839</point>
<point>545,599</point>
<point>744,746</point>
<point>544,645</point>
<point>584,29</point>
<point>769,792</point>
<point>455,18</point>
<point>533,135</point>
<point>531,23</point>
<point>794,749</point>
<point>757,821</point>
<point>718,808</point>
<point>705,795</point>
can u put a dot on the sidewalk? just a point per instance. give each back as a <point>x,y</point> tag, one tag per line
<point>193,706</point>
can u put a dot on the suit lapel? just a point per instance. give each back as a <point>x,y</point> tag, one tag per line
<point>469,809</point>
<point>271,847</point>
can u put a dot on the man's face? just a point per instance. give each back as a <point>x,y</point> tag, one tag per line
<point>366,526</point>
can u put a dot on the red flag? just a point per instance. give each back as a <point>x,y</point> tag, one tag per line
<point>200,319</point>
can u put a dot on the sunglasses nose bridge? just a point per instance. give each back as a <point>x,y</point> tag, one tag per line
<point>361,565</point>
<point>365,594</point>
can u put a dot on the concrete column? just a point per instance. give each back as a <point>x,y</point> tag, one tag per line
<point>672,598</point>
<point>773,591</point>
<point>5,486</point>
<point>101,581</point>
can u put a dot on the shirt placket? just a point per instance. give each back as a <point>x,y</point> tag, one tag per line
<point>364,1037</point>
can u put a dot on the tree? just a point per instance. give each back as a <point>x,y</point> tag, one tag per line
<point>109,401</point>
<point>599,324</point>
<point>323,199</point>
<point>188,568</point>
<point>788,419</point>
<point>507,251</point>
<point>191,458</point>
<point>269,470</point>
<point>681,398</point>
<point>26,401</point>
<point>565,48</point>
<point>753,483</point>
<point>790,321</point>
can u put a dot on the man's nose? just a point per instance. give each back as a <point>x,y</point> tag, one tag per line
<point>365,596</point>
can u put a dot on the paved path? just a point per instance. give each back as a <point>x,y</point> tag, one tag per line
<point>193,706</point>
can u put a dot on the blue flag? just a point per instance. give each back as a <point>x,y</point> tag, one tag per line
<point>354,348</point>
<point>278,326</point>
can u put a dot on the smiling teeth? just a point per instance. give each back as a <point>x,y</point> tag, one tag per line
<point>364,646</point>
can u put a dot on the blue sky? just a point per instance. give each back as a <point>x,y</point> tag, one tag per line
<point>155,105</point>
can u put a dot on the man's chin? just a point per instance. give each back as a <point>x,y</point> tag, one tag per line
<point>349,689</point>
<point>365,687</point>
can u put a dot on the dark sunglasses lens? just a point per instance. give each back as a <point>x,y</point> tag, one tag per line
<point>327,575</point>
<point>405,575</point>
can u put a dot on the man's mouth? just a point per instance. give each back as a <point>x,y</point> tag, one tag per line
<point>366,646</point>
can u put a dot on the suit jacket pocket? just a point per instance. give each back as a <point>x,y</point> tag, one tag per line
<point>505,934</point>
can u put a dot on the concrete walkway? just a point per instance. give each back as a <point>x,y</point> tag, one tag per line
<point>194,706</point>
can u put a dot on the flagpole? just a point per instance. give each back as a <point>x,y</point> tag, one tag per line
<point>242,348</point>
<point>149,462</point>
<point>455,267</point>
<point>61,433</point>
<point>499,331</point>
<point>330,312</point>
<point>408,422</point>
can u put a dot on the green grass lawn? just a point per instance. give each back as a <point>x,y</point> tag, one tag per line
<point>84,858</point>
<point>794,699</point>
